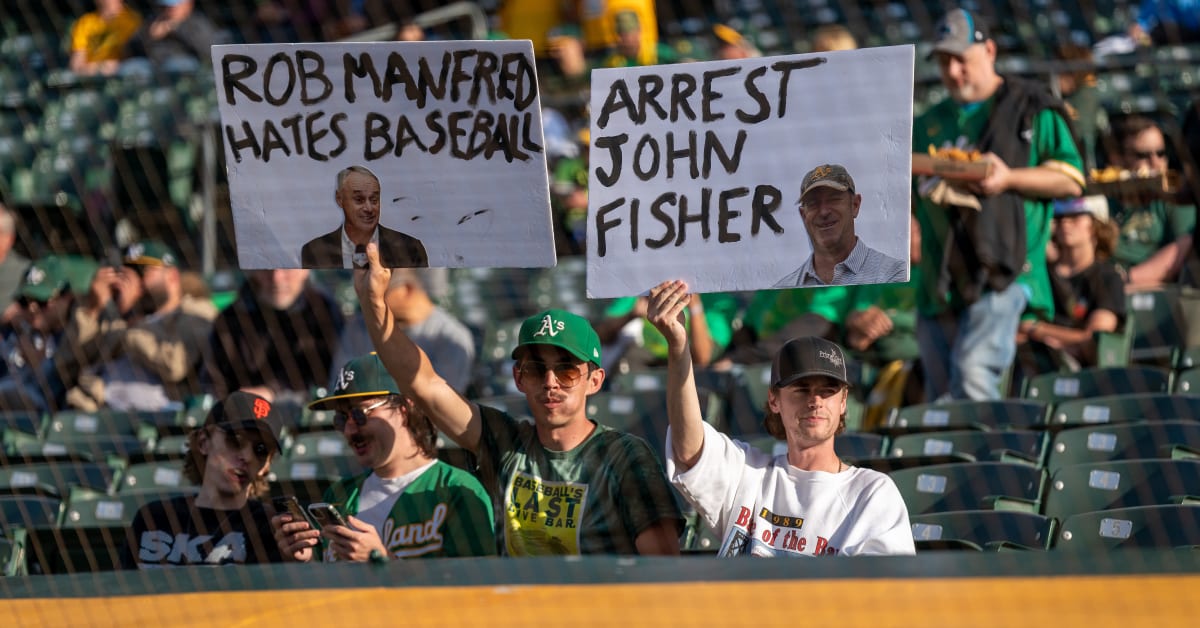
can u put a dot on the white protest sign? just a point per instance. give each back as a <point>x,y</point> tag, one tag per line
<point>696,168</point>
<point>446,138</point>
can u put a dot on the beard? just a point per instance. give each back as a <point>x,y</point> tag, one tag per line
<point>152,299</point>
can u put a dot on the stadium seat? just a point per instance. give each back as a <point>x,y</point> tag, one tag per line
<point>57,477</point>
<point>1163,526</point>
<point>642,414</point>
<point>1158,325</point>
<point>1120,484</point>
<point>989,529</point>
<point>515,406</point>
<point>164,475</point>
<point>12,554</point>
<point>24,422</point>
<point>1096,382</point>
<point>332,467</point>
<point>98,447</point>
<point>75,549</point>
<point>94,509</point>
<point>1007,446</point>
<point>28,511</point>
<point>857,445</point>
<point>1016,414</point>
<point>1188,381</point>
<point>317,445</point>
<point>970,486</point>
<point>1125,441</point>
<point>79,423</point>
<point>1124,409</point>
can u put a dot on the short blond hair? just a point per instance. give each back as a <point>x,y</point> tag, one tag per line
<point>831,37</point>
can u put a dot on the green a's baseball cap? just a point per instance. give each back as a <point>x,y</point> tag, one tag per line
<point>44,279</point>
<point>149,253</point>
<point>363,376</point>
<point>560,328</point>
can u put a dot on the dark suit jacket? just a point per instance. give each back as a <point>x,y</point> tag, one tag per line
<point>396,250</point>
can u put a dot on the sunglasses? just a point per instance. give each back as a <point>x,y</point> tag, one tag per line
<point>1150,153</point>
<point>566,373</point>
<point>236,442</point>
<point>359,415</point>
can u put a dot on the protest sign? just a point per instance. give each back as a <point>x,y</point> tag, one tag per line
<point>439,144</point>
<point>696,169</point>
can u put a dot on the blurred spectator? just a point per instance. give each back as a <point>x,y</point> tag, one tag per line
<point>630,48</point>
<point>1077,86</point>
<point>224,523</point>
<point>176,34</point>
<point>448,343</point>
<point>1089,291</point>
<point>45,302</point>
<point>732,45</point>
<point>12,264</point>
<point>137,341</point>
<point>535,20</point>
<point>410,31</point>
<point>603,30</point>
<point>984,244</point>
<point>1166,22</point>
<point>833,37</point>
<point>625,335</point>
<point>1148,221</point>
<point>569,196</point>
<point>99,37</point>
<point>406,488</point>
<point>353,20</point>
<point>283,21</point>
<point>279,336</point>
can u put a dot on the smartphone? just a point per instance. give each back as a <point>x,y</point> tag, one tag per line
<point>291,505</point>
<point>327,515</point>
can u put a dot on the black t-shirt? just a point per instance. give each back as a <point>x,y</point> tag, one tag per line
<point>176,532</point>
<point>1100,286</point>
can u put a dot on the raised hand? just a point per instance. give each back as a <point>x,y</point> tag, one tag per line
<point>353,543</point>
<point>664,310</point>
<point>296,539</point>
<point>371,285</point>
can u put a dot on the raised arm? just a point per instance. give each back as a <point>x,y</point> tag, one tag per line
<point>667,302</point>
<point>408,364</point>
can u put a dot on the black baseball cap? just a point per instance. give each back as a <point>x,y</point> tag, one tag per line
<point>247,411</point>
<point>806,357</point>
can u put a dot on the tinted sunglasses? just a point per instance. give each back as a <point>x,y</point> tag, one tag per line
<point>566,373</point>
<point>359,415</point>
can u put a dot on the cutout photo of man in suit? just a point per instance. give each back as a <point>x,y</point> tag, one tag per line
<point>358,195</point>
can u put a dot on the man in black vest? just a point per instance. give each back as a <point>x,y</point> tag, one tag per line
<point>983,243</point>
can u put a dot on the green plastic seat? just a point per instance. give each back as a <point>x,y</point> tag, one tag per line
<point>1097,382</point>
<point>94,509</point>
<point>970,486</point>
<point>162,475</point>
<point>57,477</point>
<point>1015,414</point>
<point>1124,441</point>
<point>317,445</point>
<point>75,550</point>
<point>1158,325</point>
<point>28,511</point>
<point>1124,409</point>
<point>1121,484</point>
<point>1005,446</point>
<point>989,529</point>
<point>1162,526</point>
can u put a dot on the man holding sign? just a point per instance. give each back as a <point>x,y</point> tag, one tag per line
<point>829,205</point>
<point>563,485</point>
<point>357,195</point>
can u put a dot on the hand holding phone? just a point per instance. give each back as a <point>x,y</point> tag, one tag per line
<point>290,505</point>
<point>327,515</point>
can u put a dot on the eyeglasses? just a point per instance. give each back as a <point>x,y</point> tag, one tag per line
<point>566,373</point>
<point>236,442</point>
<point>1147,154</point>
<point>340,419</point>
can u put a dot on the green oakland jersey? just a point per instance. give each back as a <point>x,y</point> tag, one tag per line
<point>595,499</point>
<point>444,513</point>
